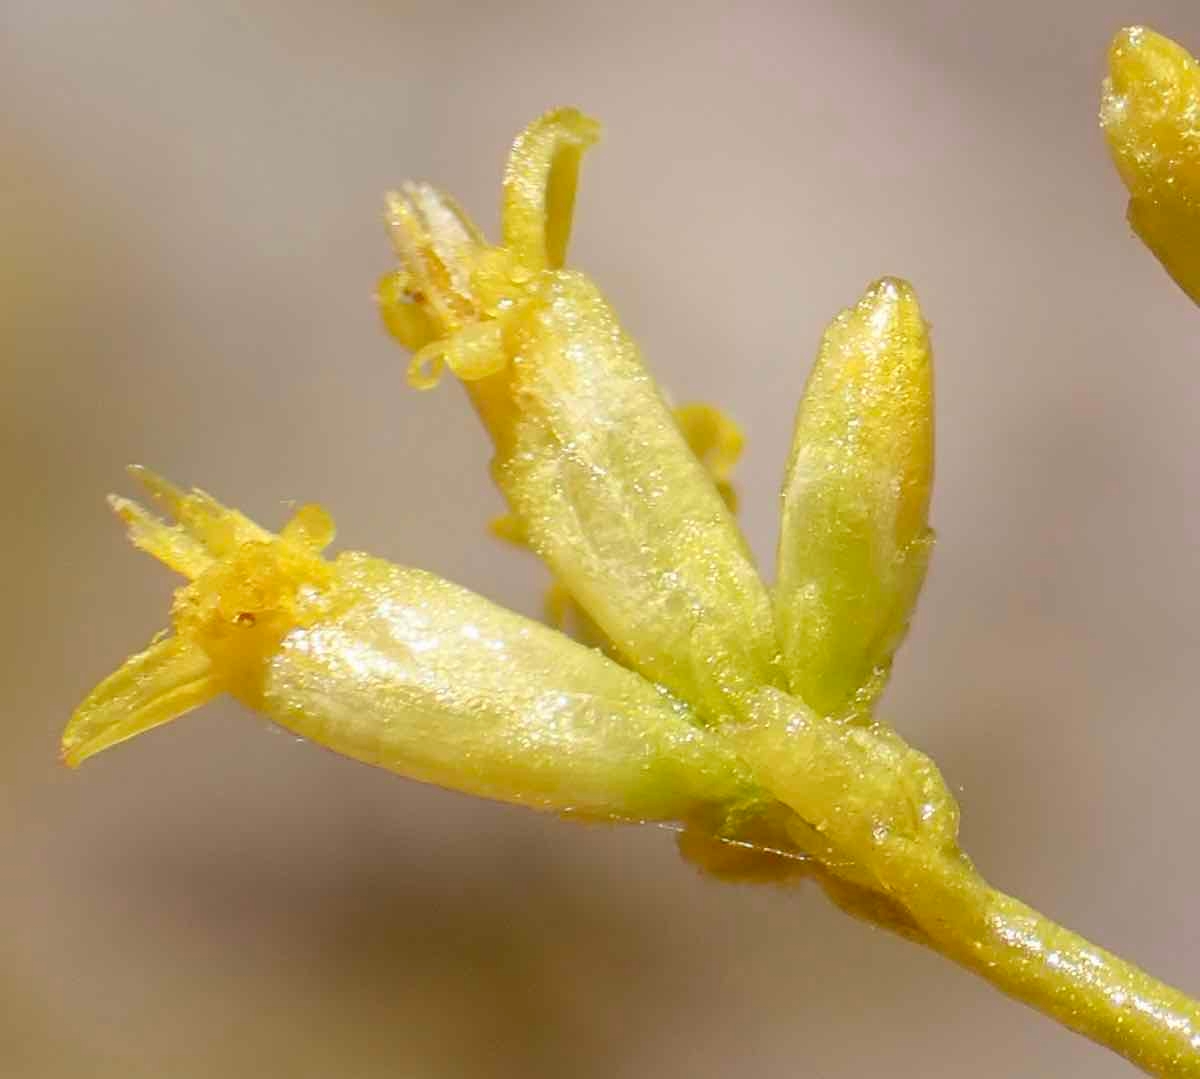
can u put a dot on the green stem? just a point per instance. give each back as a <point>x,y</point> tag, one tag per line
<point>1034,960</point>
<point>877,816</point>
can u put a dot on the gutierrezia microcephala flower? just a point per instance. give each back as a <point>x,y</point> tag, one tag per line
<point>739,712</point>
<point>401,669</point>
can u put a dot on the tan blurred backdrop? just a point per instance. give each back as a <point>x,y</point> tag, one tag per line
<point>190,232</point>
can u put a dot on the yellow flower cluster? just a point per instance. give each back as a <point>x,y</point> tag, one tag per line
<point>739,712</point>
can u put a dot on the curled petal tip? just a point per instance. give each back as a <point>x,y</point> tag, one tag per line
<point>539,186</point>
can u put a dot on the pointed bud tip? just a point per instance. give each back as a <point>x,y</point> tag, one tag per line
<point>890,307</point>
<point>1138,59</point>
<point>1148,113</point>
<point>891,293</point>
<point>891,289</point>
<point>1148,97</point>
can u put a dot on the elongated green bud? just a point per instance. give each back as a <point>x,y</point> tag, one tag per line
<point>853,542</point>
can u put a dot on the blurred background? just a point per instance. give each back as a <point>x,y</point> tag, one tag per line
<point>190,221</point>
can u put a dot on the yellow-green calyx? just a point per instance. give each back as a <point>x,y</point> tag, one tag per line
<point>742,715</point>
